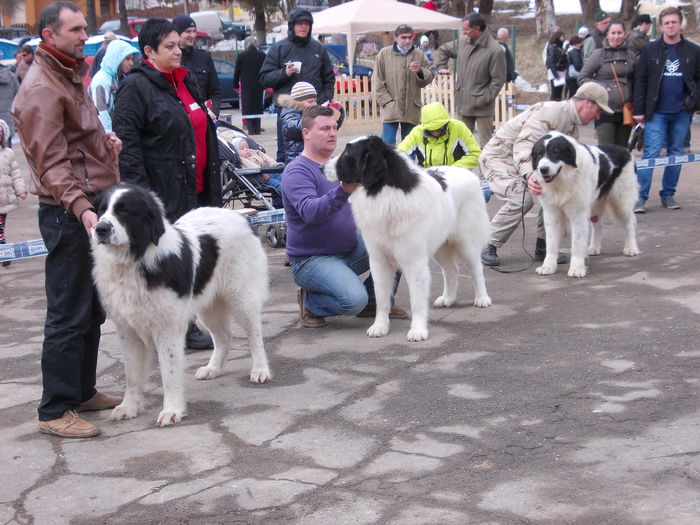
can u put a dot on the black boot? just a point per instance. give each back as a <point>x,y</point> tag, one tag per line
<point>197,339</point>
<point>489,256</point>
<point>541,252</point>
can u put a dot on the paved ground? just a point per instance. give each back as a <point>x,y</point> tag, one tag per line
<point>567,401</point>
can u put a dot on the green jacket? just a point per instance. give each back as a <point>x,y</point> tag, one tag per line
<point>456,147</point>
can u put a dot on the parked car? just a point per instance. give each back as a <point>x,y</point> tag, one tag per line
<point>220,26</point>
<point>312,5</point>
<point>224,72</point>
<point>340,65</point>
<point>203,38</point>
<point>114,25</point>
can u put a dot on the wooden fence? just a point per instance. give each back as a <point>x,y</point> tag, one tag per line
<point>362,111</point>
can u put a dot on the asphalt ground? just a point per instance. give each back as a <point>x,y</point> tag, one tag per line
<point>567,401</point>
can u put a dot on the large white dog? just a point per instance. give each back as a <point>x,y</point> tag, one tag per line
<point>153,277</point>
<point>579,184</point>
<point>406,216</point>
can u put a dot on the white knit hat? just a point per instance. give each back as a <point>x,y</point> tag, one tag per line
<point>5,130</point>
<point>303,90</point>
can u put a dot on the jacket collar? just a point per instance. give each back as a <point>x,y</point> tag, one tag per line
<point>571,106</point>
<point>72,69</point>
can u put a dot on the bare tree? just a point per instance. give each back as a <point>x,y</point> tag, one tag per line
<point>9,6</point>
<point>588,8</point>
<point>123,17</point>
<point>485,9</point>
<point>544,17</point>
<point>627,9</point>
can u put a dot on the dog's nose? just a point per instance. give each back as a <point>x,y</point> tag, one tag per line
<point>544,170</point>
<point>103,229</point>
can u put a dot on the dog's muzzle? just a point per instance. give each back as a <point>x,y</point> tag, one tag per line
<point>103,231</point>
<point>547,175</point>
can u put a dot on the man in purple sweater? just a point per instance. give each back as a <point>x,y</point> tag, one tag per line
<point>323,245</point>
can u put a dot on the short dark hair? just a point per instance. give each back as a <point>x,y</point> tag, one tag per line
<point>403,29</point>
<point>152,33</point>
<point>616,22</point>
<point>555,37</point>
<point>50,13</point>
<point>670,11</point>
<point>309,115</point>
<point>26,48</point>
<point>475,20</point>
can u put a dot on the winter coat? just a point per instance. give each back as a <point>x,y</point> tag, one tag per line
<point>556,58</point>
<point>201,64</point>
<point>593,41</point>
<point>650,68</point>
<point>69,164</point>
<point>316,68</point>
<point>247,72</point>
<point>456,147</point>
<point>481,73</point>
<point>598,69</point>
<point>103,86</point>
<point>637,40</point>
<point>8,89</point>
<point>11,180</point>
<point>397,88</point>
<point>158,149</point>
<point>574,56</point>
<point>511,73</point>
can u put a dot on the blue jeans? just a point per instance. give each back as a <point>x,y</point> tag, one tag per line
<point>389,130</point>
<point>275,182</point>
<point>672,129</point>
<point>332,284</point>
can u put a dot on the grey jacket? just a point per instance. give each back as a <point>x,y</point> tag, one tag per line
<point>599,69</point>
<point>481,73</point>
<point>8,89</point>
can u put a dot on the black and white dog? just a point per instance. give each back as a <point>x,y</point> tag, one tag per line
<point>406,216</point>
<point>579,184</point>
<point>153,277</point>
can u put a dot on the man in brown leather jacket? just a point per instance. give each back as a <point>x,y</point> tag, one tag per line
<point>71,159</point>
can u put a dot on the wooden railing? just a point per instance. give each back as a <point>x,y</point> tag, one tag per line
<point>362,111</point>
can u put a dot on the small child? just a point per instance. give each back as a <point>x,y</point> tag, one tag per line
<point>11,181</point>
<point>254,158</point>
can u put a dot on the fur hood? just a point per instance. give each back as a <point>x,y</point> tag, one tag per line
<point>286,101</point>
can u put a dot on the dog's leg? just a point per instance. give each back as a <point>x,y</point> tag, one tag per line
<point>446,257</point>
<point>554,224</point>
<point>217,320</point>
<point>595,247</point>
<point>579,225</point>
<point>135,362</point>
<point>417,275</point>
<point>472,256</point>
<point>171,356</point>
<point>383,272</point>
<point>629,221</point>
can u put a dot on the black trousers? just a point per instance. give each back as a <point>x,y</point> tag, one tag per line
<point>280,139</point>
<point>73,315</point>
<point>253,125</point>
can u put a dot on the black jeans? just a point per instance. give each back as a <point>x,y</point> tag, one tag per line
<point>73,315</point>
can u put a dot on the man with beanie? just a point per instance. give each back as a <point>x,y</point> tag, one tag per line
<point>639,35</point>
<point>400,71</point>
<point>297,58</point>
<point>71,159</point>
<point>198,61</point>
<point>595,38</point>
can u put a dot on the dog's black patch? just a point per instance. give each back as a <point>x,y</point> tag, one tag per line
<point>560,149</point>
<point>538,151</point>
<point>590,151</point>
<point>173,271</point>
<point>375,164</point>
<point>208,257</point>
<point>611,161</point>
<point>437,174</point>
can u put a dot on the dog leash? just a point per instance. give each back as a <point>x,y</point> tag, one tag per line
<point>522,243</point>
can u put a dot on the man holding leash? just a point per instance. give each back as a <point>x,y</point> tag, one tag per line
<point>506,161</point>
<point>323,246</point>
<point>71,159</point>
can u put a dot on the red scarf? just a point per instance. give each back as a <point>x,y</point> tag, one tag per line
<point>198,118</point>
<point>65,60</point>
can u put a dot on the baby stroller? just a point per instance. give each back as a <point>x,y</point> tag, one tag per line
<point>245,186</point>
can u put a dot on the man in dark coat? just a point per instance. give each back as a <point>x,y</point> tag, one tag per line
<point>252,92</point>
<point>198,61</point>
<point>297,58</point>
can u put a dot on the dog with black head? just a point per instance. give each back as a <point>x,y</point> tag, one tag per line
<point>153,277</point>
<point>408,215</point>
<point>580,184</point>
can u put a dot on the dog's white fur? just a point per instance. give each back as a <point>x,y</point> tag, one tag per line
<point>404,230</point>
<point>571,200</point>
<point>156,318</point>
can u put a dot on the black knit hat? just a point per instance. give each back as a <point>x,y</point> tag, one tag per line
<point>183,22</point>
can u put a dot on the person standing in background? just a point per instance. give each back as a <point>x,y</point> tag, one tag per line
<point>595,38</point>
<point>252,93</point>
<point>97,61</point>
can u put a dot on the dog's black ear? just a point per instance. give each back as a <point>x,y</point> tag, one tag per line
<point>156,228</point>
<point>569,154</point>
<point>538,152</point>
<point>373,165</point>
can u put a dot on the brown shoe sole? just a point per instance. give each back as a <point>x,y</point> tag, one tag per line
<point>50,432</point>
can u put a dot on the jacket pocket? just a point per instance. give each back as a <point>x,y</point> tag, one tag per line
<point>80,171</point>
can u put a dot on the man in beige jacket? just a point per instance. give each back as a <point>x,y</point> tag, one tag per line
<point>506,161</point>
<point>481,73</point>
<point>400,71</point>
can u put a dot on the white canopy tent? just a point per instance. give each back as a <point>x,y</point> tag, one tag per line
<point>364,16</point>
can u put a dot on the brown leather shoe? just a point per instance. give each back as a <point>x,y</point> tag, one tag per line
<point>99,402</point>
<point>396,312</point>
<point>69,425</point>
<point>308,320</point>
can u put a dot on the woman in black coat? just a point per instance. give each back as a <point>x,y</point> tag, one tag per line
<point>168,140</point>
<point>252,92</point>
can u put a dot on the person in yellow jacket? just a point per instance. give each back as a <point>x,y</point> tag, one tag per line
<point>442,141</point>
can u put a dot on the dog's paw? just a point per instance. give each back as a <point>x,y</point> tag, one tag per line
<point>207,372</point>
<point>594,250</point>
<point>169,417</point>
<point>577,270</point>
<point>482,302</point>
<point>417,334</point>
<point>631,252</point>
<point>260,375</point>
<point>546,269</point>
<point>378,330</point>
<point>443,302</point>
<point>123,411</point>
